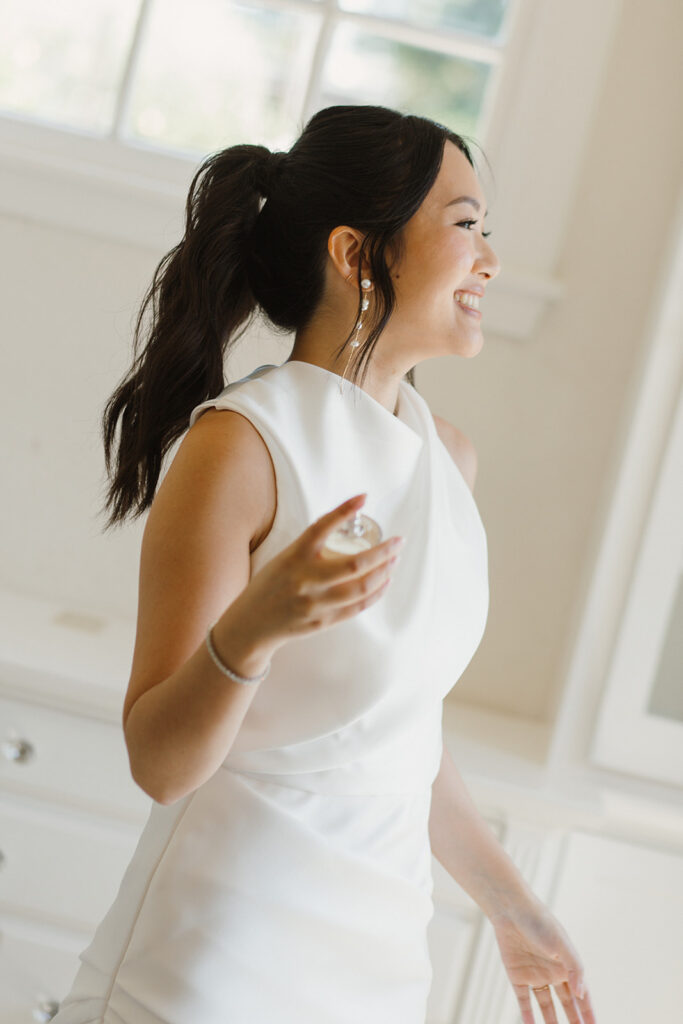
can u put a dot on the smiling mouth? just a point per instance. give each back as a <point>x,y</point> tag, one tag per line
<point>467,302</point>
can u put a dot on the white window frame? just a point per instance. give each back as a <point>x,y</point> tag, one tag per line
<point>628,736</point>
<point>534,136</point>
<point>604,727</point>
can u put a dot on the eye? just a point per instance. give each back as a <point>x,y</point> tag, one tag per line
<point>461,223</point>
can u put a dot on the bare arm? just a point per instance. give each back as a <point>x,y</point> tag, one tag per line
<point>466,847</point>
<point>181,714</point>
<point>461,840</point>
<point>180,730</point>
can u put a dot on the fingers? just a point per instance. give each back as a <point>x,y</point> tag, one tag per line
<point>346,609</point>
<point>577,982</point>
<point>576,990</point>
<point>578,1010</point>
<point>587,1012</point>
<point>345,567</point>
<point>569,1004</point>
<point>317,532</point>
<point>342,585</point>
<point>524,1000</point>
<point>338,568</point>
<point>545,1001</point>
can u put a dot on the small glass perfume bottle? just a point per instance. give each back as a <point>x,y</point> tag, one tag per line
<point>358,534</point>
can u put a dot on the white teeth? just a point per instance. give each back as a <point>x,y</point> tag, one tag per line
<point>468,299</point>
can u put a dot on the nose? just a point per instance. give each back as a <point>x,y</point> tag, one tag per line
<point>488,264</point>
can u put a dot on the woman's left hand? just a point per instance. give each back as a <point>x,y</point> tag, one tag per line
<point>538,954</point>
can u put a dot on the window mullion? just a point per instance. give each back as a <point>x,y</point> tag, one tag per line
<point>129,71</point>
<point>330,18</point>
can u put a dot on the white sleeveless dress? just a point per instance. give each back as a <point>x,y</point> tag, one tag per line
<point>294,886</point>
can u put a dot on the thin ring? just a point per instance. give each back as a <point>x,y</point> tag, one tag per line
<point>541,988</point>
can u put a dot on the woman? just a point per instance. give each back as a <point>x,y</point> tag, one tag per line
<point>284,708</point>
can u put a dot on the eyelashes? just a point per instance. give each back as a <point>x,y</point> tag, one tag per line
<point>461,223</point>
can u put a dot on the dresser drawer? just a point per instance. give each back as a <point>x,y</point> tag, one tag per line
<point>35,973</point>
<point>59,755</point>
<point>57,869</point>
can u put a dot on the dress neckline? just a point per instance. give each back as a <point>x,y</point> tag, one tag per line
<point>407,413</point>
<point>401,415</point>
<point>346,382</point>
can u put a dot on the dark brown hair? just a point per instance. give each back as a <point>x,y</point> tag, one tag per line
<point>366,166</point>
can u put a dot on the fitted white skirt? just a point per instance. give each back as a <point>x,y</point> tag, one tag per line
<point>253,902</point>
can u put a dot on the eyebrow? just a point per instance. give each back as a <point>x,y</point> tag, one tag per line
<point>466,199</point>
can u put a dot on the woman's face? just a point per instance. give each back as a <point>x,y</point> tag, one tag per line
<point>445,254</point>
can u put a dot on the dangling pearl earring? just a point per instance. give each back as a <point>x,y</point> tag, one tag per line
<point>354,343</point>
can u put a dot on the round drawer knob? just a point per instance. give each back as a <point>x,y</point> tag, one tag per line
<point>16,750</point>
<point>45,1010</point>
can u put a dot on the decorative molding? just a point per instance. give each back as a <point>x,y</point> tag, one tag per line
<point>93,186</point>
<point>497,755</point>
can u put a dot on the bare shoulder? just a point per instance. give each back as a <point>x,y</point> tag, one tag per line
<point>460,448</point>
<point>227,440</point>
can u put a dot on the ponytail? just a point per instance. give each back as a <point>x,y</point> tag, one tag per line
<point>198,299</point>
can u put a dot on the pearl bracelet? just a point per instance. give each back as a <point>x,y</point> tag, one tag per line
<point>224,668</point>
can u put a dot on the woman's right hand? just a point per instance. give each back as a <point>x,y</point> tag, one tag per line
<point>300,591</point>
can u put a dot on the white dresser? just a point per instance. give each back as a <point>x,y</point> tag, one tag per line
<point>70,814</point>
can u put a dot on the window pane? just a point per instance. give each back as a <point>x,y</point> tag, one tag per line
<point>63,61</point>
<point>214,74</point>
<point>364,68</point>
<point>485,17</point>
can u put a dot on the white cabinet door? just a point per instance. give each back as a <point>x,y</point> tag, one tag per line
<point>621,903</point>
<point>622,906</point>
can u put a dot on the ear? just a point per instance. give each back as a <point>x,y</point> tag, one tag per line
<point>343,247</point>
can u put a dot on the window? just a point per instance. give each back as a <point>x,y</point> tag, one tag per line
<point>107,106</point>
<point>62,62</point>
<point>196,77</point>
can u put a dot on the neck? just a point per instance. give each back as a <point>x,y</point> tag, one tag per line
<point>381,385</point>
